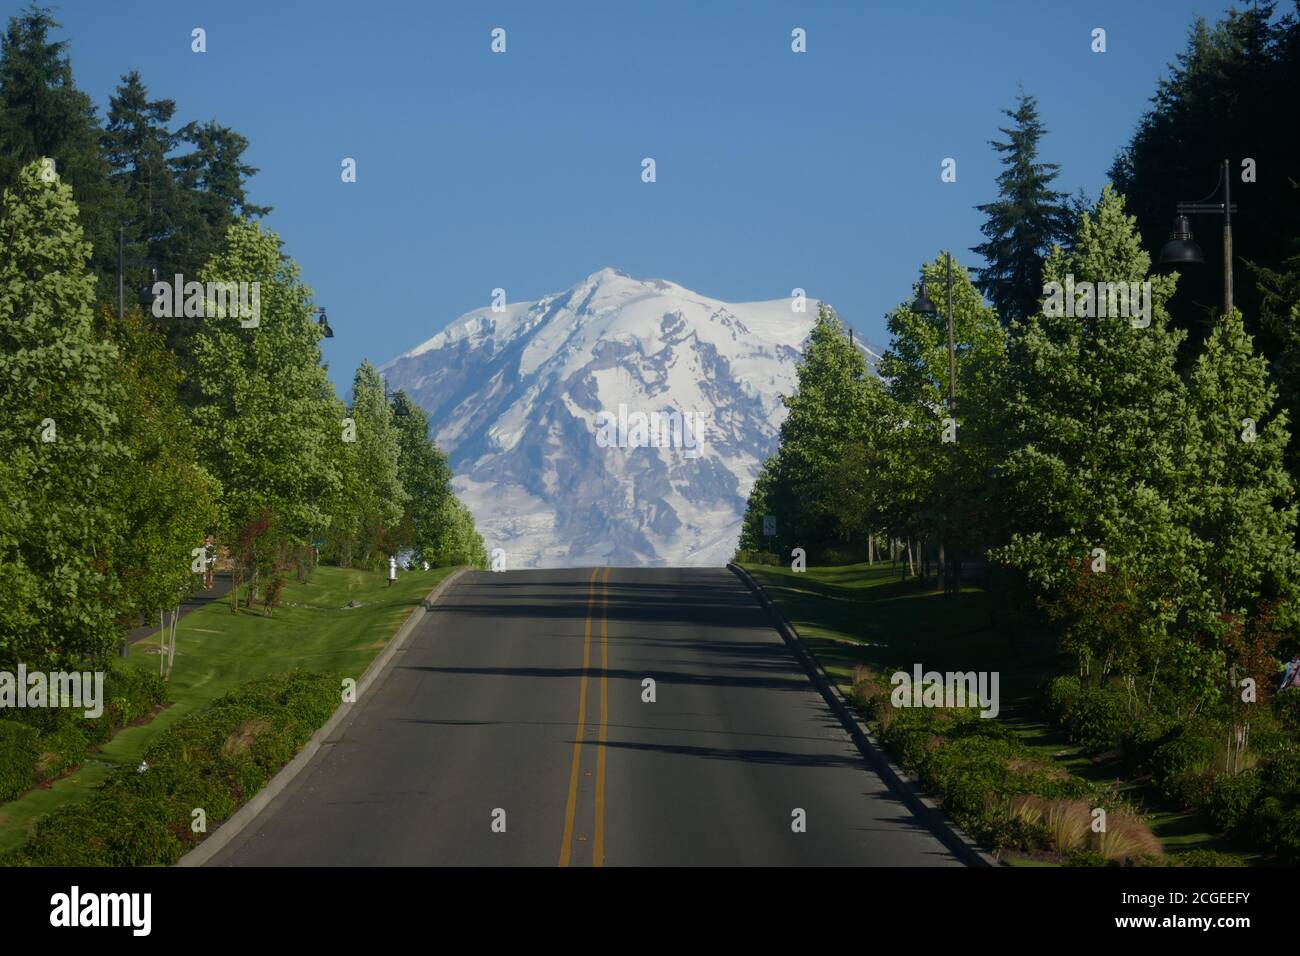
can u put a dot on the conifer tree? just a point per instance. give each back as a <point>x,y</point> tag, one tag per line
<point>44,116</point>
<point>137,140</point>
<point>1024,221</point>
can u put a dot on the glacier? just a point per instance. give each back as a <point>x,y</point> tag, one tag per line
<point>514,397</point>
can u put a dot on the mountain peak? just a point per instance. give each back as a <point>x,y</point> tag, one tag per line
<point>605,275</point>
<point>515,398</point>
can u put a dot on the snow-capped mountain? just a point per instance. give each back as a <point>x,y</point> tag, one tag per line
<point>547,411</point>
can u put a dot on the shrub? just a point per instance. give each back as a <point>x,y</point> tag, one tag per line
<point>1280,773</point>
<point>866,694</point>
<point>1086,858</point>
<point>1179,767</point>
<point>1059,695</point>
<point>1150,730</point>
<point>1273,824</point>
<point>60,736</point>
<point>216,759</point>
<point>1286,707</point>
<point>1230,799</point>
<point>1206,858</point>
<point>1098,720</point>
<point>1014,827</point>
<point>60,751</point>
<point>17,758</point>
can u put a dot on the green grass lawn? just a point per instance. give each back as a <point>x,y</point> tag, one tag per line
<point>217,651</point>
<point>863,614</point>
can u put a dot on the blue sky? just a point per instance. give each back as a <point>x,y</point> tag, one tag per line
<point>523,170</point>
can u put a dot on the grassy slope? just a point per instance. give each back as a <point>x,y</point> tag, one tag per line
<point>217,651</point>
<point>860,614</point>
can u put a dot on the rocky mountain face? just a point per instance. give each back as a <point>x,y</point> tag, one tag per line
<point>621,421</point>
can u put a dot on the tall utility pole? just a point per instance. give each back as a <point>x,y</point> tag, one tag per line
<point>1227,239</point>
<point>952,348</point>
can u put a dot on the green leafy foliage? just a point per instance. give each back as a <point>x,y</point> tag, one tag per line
<point>59,437</point>
<point>215,759</point>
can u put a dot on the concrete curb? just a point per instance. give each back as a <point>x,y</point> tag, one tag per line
<point>241,818</point>
<point>926,809</point>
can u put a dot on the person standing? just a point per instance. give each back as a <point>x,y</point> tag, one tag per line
<point>392,569</point>
<point>209,559</point>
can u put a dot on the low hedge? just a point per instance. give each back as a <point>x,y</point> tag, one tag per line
<point>1286,707</point>
<point>1098,719</point>
<point>62,736</point>
<point>1231,799</point>
<point>18,754</point>
<point>1181,768</point>
<point>1274,823</point>
<point>215,759</point>
<point>976,766</point>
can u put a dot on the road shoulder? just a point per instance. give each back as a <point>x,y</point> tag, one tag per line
<point>922,806</point>
<point>239,821</point>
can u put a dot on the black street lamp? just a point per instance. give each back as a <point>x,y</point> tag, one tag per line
<point>146,294</point>
<point>1182,249</point>
<point>323,323</point>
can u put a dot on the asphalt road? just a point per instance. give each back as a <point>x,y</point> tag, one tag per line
<point>519,700</point>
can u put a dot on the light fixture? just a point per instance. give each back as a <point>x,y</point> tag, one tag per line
<point>923,305</point>
<point>1181,248</point>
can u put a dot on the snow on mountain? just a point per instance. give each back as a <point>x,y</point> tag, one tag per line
<point>516,399</point>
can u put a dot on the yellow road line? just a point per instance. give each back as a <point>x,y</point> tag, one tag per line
<point>598,846</point>
<point>571,808</point>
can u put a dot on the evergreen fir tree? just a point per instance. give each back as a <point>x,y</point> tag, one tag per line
<point>1024,221</point>
<point>137,140</point>
<point>43,115</point>
<point>214,176</point>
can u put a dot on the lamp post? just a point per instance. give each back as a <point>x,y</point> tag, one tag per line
<point>1181,248</point>
<point>146,293</point>
<point>923,306</point>
<point>323,322</point>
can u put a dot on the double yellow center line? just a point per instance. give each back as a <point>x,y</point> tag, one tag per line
<point>571,808</point>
